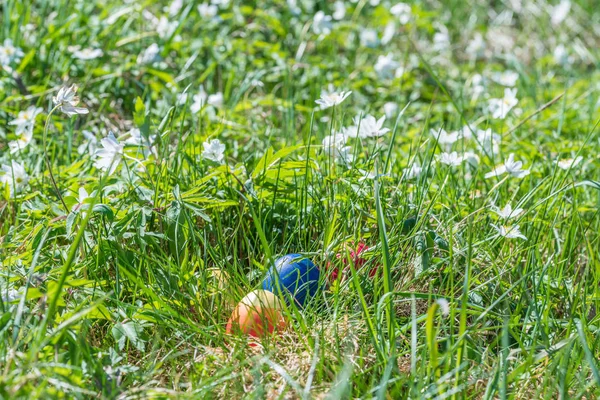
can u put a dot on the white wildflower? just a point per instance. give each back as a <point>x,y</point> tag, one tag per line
<point>390,109</point>
<point>369,126</point>
<point>466,132</point>
<point>214,151</point>
<point>568,163</point>
<point>207,11</point>
<point>444,306</point>
<point>174,8</point>
<point>445,139</point>
<point>29,32</point>
<point>388,33</point>
<point>149,55</point>
<point>22,141</point>
<point>344,154</point>
<point>199,100</point>
<point>335,146</point>
<point>402,12</point>
<point>14,176</point>
<point>441,40</point>
<point>477,86</point>
<point>330,99</point>
<point>500,40</point>
<point>221,3</point>
<point>559,12</point>
<point>322,23</point>
<point>25,119</point>
<point>368,38</point>
<point>293,7</point>
<point>336,140</point>
<point>109,157</point>
<point>450,159</point>
<point>398,74</point>
<point>82,201</point>
<point>414,171</point>
<point>386,66</point>
<point>511,167</point>
<point>506,78</point>
<point>10,295</point>
<point>9,53</point>
<point>471,158</point>
<point>87,54</point>
<point>510,232</point>
<point>366,175</point>
<point>507,212</point>
<point>202,98</point>
<point>501,107</point>
<point>561,56</point>
<point>66,99</point>
<point>182,99</point>
<point>135,137</point>
<point>83,195</point>
<point>488,141</point>
<point>215,100</point>
<point>476,47</point>
<point>90,145</point>
<point>166,28</point>
<point>339,10</point>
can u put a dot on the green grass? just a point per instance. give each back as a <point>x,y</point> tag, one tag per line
<point>127,295</point>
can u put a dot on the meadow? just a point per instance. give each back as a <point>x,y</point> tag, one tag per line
<point>437,160</point>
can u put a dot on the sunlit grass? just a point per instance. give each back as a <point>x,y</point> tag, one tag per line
<point>236,140</point>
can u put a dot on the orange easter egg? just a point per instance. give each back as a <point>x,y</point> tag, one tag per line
<point>257,314</point>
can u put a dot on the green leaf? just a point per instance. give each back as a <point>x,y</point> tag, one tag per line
<point>129,330</point>
<point>70,221</point>
<point>594,184</point>
<point>104,210</point>
<point>430,333</point>
<point>163,76</point>
<point>26,60</point>
<point>270,159</point>
<point>140,118</point>
<point>4,320</point>
<point>176,229</point>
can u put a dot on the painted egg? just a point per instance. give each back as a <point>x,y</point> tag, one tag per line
<point>218,287</point>
<point>356,255</point>
<point>257,314</point>
<point>293,275</point>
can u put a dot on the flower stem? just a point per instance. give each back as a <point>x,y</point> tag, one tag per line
<point>47,159</point>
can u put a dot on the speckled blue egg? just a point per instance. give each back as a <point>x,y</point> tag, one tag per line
<point>295,276</point>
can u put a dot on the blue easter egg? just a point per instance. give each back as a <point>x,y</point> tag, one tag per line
<point>293,275</point>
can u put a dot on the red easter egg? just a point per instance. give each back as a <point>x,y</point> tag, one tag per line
<point>256,315</point>
<point>356,257</point>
